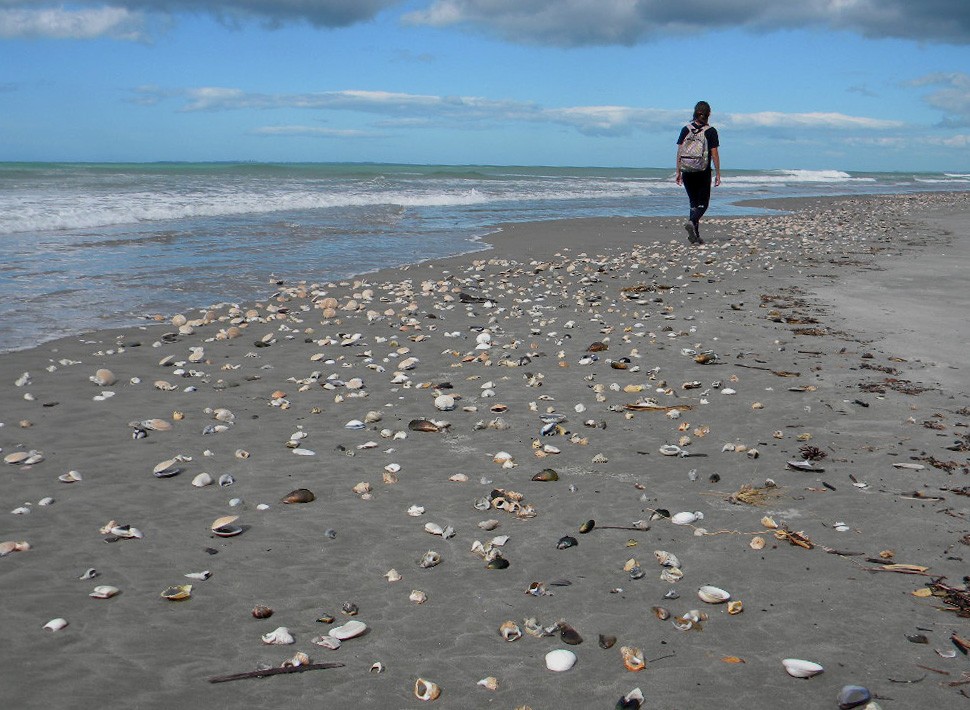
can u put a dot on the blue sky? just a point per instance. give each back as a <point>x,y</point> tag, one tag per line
<point>813,84</point>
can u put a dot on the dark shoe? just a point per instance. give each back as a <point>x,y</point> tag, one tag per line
<point>692,236</point>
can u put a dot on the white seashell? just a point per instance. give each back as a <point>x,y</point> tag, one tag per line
<point>417,596</point>
<point>104,591</point>
<point>304,452</point>
<point>69,477</point>
<point>226,479</point>
<point>354,424</point>
<point>55,624</point>
<point>89,574</point>
<point>22,510</point>
<point>713,595</point>
<point>666,559</point>
<point>444,402</point>
<point>433,528</point>
<point>415,510</point>
<point>499,541</point>
<point>351,629</point>
<point>202,480</point>
<point>798,668</point>
<point>671,450</point>
<point>560,660</point>
<point>686,518</point>
<point>393,575</point>
<point>199,575</point>
<point>280,636</point>
<point>327,641</point>
<point>728,390</point>
<point>502,457</point>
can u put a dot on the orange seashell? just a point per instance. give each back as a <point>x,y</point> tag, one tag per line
<point>632,658</point>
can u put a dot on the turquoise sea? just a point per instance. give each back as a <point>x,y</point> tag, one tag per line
<point>86,246</point>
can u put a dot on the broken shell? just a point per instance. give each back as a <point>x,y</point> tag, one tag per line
<point>429,559</point>
<point>735,607</point>
<point>300,495</point>
<point>713,595</point>
<point>490,683</point>
<point>178,592</point>
<point>280,636</point>
<point>327,641</point>
<point>798,668</point>
<point>104,591</point>
<point>671,574</point>
<point>417,596</point>
<point>606,641</point>
<point>566,541</point>
<point>510,631</point>
<point>569,635</point>
<point>426,690</point>
<point>262,612</point>
<point>633,658</point>
<point>660,612</point>
<point>757,543</point>
<point>769,522</point>
<point>351,629</point>
<point>444,403</point>
<point>423,425</point>
<point>666,559</point>
<point>587,527</point>
<point>488,524</point>
<point>560,660</point>
<point>55,624</point>
<point>393,576</point>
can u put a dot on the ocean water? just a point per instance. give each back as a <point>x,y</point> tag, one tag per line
<point>87,246</point>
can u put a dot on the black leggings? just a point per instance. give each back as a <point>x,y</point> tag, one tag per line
<point>698,186</point>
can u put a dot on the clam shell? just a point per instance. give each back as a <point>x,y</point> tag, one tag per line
<point>429,559</point>
<point>797,668</point>
<point>69,477</point>
<point>560,660</point>
<point>852,696</point>
<point>55,624</point>
<point>104,378</point>
<point>223,521</point>
<point>351,629</point>
<point>713,595</point>
<point>177,592</point>
<point>202,480</point>
<point>262,612</point>
<point>104,591</point>
<point>300,495</point>
<point>686,518</point>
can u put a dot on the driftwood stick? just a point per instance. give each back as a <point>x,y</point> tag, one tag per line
<point>274,671</point>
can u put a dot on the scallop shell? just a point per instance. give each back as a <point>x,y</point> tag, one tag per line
<point>798,668</point>
<point>426,690</point>
<point>713,595</point>
<point>560,660</point>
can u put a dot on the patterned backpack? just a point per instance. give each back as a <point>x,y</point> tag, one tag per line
<point>693,152</point>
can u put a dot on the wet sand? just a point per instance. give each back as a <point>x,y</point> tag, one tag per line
<point>838,324</point>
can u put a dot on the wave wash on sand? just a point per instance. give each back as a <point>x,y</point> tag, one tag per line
<point>486,459</point>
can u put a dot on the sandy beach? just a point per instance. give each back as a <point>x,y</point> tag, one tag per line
<point>798,386</point>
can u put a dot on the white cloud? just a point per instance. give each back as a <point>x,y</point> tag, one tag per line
<point>60,23</point>
<point>312,132</point>
<point>777,119</point>
<point>952,96</point>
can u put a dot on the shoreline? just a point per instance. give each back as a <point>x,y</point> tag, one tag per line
<point>818,322</point>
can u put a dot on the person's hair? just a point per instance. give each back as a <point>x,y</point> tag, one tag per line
<point>702,109</point>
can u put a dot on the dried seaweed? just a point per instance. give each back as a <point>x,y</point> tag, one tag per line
<point>959,599</point>
<point>753,495</point>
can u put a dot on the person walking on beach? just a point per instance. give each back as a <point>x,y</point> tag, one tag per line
<point>696,151</point>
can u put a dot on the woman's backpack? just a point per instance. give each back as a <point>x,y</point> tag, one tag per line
<point>693,152</point>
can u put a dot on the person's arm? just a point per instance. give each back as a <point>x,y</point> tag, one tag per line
<point>716,159</point>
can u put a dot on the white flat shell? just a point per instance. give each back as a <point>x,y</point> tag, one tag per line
<point>685,518</point>
<point>55,624</point>
<point>349,630</point>
<point>560,660</point>
<point>797,668</point>
<point>713,595</point>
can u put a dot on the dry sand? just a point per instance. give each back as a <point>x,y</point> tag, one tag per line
<point>858,304</point>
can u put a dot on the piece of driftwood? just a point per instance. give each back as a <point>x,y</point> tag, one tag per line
<point>274,671</point>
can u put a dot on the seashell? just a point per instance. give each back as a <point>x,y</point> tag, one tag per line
<point>104,591</point>
<point>223,415</point>
<point>242,454</point>
<point>327,641</point>
<point>300,495</point>
<point>488,524</point>
<point>757,543</point>
<point>769,522</point>
<point>155,425</point>
<point>362,488</point>
<point>606,641</point>
<point>69,477</point>
<point>458,478</point>
<point>735,607</point>
<point>262,612</point>
<point>167,468</point>
<point>444,403</point>
<point>798,668</point>
<point>671,450</point>
<point>280,636</point>
<point>423,425</point>
<point>666,559</point>
<point>178,592</point>
<point>415,510</point>
<point>350,609</point>
<point>809,466</point>
<point>393,575</point>
<point>426,690</point>
<point>497,561</point>
<point>713,595</point>
<point>686,518</point>
<point>566,541</point>
<point>299,659</point>
<point>510,631</point>
<point>354,424</point>
<point>55,624</point>
<point>852,696</point>
<point>351,629</point>
<point>546,474</point>
<point>633,658</point>
<point>502,457</point>
<point>671,574</point>
<point>164,385</point>
<point>326,619</point>
<point>560,660</point>
<point>226,480</point>
<point>417,596</point>
<point>201,576</point>
<point>202,480</point>
<point>89,574</point>
<point>104,378</point>
<point>223,527</point>
<point>660,612</point>
<point>489,683</point>
<point>16,458</point>
<point>429,559</point>
<point>569,635</point>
